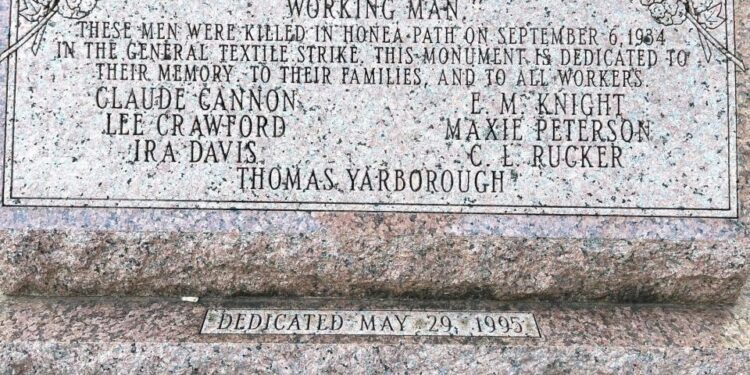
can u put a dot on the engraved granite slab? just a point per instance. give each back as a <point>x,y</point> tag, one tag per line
<point>544,149</point>
<point>436,106</point>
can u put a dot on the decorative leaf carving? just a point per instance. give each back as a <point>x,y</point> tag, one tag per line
<point>34,10</point>
<point>41,12</point>
<point>705,15</point>
<point>712,18</point>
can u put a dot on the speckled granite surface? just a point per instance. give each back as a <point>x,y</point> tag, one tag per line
<point>156,336</point>
<point>368,265</point>
<point>125,253</point>
<point>80,252</point>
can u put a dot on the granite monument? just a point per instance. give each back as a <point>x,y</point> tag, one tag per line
<point>375,186</point>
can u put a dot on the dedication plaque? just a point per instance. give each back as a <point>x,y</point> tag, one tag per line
<point>370,323</point>
<point>503,107</point>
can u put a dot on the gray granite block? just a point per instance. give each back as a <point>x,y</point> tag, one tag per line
<point>64,251</point>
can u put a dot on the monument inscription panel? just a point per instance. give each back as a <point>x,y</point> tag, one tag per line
<point>541,107</point>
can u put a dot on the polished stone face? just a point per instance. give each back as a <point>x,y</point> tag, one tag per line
<point>461,108</point>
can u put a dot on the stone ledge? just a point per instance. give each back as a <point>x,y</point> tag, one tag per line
<point>82,263</point>
<point>96,358</point>
<point>156,336</point>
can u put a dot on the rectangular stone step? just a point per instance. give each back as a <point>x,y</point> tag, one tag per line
<point>358,255</point>
<point>94,335</point>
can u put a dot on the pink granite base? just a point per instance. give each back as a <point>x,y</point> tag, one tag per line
<point>370,265</point>
<point>87,336</point>
<point>154,358</point>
